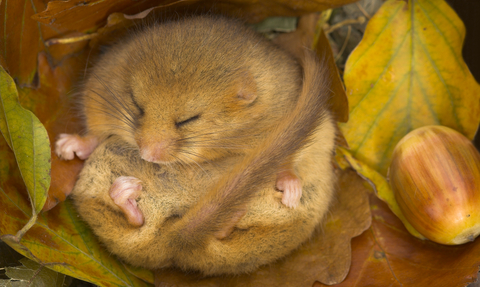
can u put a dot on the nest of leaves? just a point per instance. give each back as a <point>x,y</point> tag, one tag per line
<point>405,73</point>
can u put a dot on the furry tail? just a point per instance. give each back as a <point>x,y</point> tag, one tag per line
<point>226,203</point>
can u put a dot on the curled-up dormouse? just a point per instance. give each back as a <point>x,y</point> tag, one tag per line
<point>208,147</point>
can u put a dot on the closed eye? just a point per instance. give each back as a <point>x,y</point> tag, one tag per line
<point>137,105</point>
<point>182,123</point>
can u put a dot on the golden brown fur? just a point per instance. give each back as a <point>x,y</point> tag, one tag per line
<point>216,177</point>
<point>201,66</point>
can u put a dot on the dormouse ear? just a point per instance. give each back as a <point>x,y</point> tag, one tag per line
<point>247,88</point>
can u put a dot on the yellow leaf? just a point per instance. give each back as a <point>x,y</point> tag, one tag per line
<point>408,72</point>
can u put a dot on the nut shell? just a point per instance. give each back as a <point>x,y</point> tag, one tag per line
<point>435,177</point>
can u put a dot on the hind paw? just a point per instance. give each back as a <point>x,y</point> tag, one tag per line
<point>124,192</point>
<point>291,187</point>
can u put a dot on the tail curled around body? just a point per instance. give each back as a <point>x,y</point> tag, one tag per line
<point>217,212</point>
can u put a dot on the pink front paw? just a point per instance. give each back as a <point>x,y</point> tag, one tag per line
<point>68,145</point>
<point>291,186</point>
<point>124,192</point>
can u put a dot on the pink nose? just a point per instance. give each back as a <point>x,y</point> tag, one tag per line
<point>156,152</point>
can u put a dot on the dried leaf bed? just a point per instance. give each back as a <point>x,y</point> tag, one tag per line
<point>407,72</point>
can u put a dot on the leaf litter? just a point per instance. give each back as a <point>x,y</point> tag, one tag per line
<point>374,259</point>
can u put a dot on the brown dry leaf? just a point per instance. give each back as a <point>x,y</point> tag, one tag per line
<point>81,15</point>
<point>387,255</point>
<point>22,38</point>
<point>20,45</point>
<point>325,258</point>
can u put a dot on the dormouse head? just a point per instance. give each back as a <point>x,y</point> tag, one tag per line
<point>191,118</point>
<point>190,91</point>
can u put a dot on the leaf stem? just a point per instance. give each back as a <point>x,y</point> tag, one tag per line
<point>27,226</point>
<point>329,29</point>
<point>70,40</point>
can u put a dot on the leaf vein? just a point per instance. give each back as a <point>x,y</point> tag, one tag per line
<point>378,36</point>
<point>428,102</point>
<point>435,7</point>
<point>386,258</point>
<point>445,40</point>
<point>442,80</point>
<point>374,123</point>
<point>94,259</point>
<point>383,158</point>
<point>394,56</point>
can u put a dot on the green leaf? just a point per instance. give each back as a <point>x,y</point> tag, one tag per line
<point>28,139</point>
<point>11,283</point>
<point>34,274</point>
<point>60,240</point>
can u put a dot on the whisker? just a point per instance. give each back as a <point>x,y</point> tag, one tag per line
<point>179,161</point>
<point>185,162</point>
<point>121,102</point>
<point>107,112</point>
<point>199,156</point>
<point>194,161</point>
<point>107,104</point>
<point>113,126</point>
<point>223,147</point>
<point>215,133</point>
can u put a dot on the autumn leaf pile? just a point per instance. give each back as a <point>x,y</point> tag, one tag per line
<point>407,72</point>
